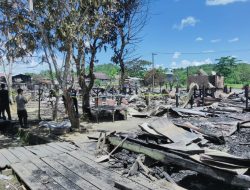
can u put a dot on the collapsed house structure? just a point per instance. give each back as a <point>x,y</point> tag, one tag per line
<point>207,81</point>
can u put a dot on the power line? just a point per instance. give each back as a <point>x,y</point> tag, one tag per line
<point>206,52</point>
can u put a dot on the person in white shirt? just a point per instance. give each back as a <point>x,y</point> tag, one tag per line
<point>21,110</point>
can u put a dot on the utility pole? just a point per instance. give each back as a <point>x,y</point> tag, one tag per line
<point>153,66</point>
<point>187,78</point>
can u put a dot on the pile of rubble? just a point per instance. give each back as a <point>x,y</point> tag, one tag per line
<point>181,142</point>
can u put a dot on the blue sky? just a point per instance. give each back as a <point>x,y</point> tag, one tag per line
<point>211,28</point>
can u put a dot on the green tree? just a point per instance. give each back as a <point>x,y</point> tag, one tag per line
<point>127,24</point>
<point>16,41</point>
<point>109,69</point>
<point>73,29</point>
<point>159,76</point>
<point>137,68</point>
<point>226,65</point>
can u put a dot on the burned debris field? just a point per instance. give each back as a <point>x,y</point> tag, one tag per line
<point>148,141</point>
<point>124,95</point>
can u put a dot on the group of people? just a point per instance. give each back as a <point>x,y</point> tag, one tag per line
<point>5,103</point>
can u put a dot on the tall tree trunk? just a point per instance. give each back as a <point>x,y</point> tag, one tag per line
<point>8,77</point>
<point>86,89</point>
<point>86,104</point>
<point>56,87</point>
<point>73,117</point>
<point>55,106</point>
<point>74,120</point>
<point>122,66</point>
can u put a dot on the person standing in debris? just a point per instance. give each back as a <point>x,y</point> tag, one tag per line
<point>21,110</point>
<point>4,102</point>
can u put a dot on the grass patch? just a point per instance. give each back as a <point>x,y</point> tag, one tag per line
<point>237,86</point>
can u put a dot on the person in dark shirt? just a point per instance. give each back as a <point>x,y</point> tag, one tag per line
<point>4,102</point>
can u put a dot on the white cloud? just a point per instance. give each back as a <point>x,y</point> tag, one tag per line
<point>222,2</point>
<point>208,51</point>
<point>173,64</point>
<point>185,63</point>
<point>215,40</point>
<point>198,39</point>
<point>185,22</point>
<point>234,40</point>
<point>176,55</point>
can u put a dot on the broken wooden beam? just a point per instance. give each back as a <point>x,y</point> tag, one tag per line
<point>185,162</point>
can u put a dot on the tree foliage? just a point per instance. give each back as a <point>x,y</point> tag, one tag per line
<point>137,68</point>
<point>109,69</point>
<point>225,65</point>
<point>128,21</point>
<point>240,73</point>
<point>159,76</point>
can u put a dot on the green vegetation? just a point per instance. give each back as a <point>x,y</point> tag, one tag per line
<point>109,69</point>
<point>237,86</point>
<point>137,68</point>
<point>235,72</point>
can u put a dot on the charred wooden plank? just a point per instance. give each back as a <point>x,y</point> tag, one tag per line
<point>165,127</point>
<point>4,162</point>
<point>70,175</point>
<point>28,177</point>
<point>9,156</point>
<point>118,180</point>
<point>85,171</point>
<point>60,178</point>
<point>170,158</point>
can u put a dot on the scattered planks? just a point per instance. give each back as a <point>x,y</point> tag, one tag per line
<point>185,162</point>
<point>190,112</point>
<point>140,183</point>
<point>27,153</point>
<point>166,128</point>
<point>64,167</point>
<point>213,137</point>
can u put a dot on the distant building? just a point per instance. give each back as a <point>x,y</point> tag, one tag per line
<point>100,76</point>
<point>2,78</point>
<point>208,81</point>
<point>40,82</point>
<point>21,78</point>
<point>21,81</point>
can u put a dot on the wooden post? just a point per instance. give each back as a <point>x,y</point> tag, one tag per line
<point>187,78</point>
<point>192,101</point>
<point>246,95</point>
<point>147,98</point>
<point>113,92</point>
<point>225,89</point>
<point>177,96</point>
<point>203,95</point>
<point>39,102</point>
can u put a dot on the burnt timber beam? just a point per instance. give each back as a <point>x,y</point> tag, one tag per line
<point>170,158</point>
